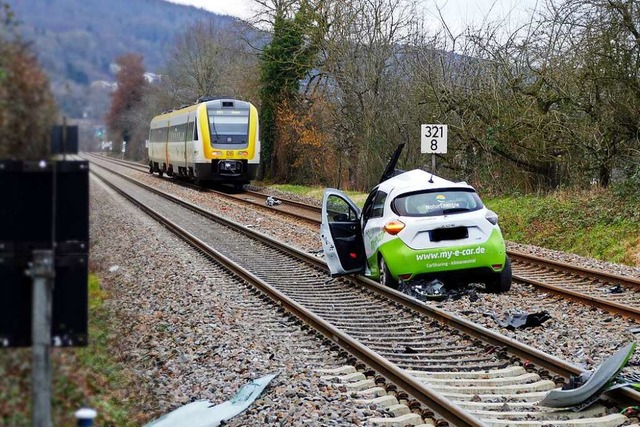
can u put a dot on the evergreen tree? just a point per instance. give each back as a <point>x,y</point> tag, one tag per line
<point>284,63</point>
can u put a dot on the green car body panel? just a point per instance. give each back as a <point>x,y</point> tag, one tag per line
<point>402,259</point>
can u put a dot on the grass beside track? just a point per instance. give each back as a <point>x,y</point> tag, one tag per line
<point>594,224</point>
<point>88,376</point>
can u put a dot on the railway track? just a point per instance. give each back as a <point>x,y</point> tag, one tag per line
<point>459,371</point>
<point>289,207</point>
<point>619,295</point>
<point>611,292</point>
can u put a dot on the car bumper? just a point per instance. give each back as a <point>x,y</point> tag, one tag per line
<point>402,260</point>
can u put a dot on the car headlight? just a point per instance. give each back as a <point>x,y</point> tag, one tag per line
<point>492,217</point>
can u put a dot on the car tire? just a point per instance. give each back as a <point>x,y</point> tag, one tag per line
<point>386,279</point>
<point>501,282</point>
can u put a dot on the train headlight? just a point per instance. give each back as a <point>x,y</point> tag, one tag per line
<point>217,154</point>
<point>244,154</point>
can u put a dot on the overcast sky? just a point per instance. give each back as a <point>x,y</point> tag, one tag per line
<point>457,13</point>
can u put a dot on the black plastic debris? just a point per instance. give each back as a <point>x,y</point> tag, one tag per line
<point>576,381</point>
<point>433,290</point>
<point>521,320</point>
<point>272,201</point>
<point>458,293</point>
<point>617,289</point>
<point>409,350</point>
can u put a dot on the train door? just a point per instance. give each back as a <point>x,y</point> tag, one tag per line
<point>192,140</point>
<point>188,137</point>
<point>166,148</point>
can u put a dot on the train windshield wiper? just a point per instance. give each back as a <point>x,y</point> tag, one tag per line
<point>213,129</point>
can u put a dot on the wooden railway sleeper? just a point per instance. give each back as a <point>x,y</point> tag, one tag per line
<point>559,381</point>
<point>415,406</point>
<point>379,381</point>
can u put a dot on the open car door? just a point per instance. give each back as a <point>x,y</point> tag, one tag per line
<point>341,234</point>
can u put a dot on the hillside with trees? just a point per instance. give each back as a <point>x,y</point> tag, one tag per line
<point>553,104</point>
<point>550,104</point>
<point>77,42</point>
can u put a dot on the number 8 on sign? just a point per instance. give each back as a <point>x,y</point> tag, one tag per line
<point>433,139</point>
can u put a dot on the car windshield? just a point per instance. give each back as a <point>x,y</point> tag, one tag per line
<point>438,202</point>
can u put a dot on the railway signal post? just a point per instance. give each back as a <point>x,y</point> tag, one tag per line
<point>44,247</point>
<point>42,273</point>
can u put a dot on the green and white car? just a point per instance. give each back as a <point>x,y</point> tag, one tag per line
<point>416,227</point>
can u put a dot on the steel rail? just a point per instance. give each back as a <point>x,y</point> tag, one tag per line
<point>610,306</point>
<point>602,303</point>
<point>309,213</point>
<point>569,268</point>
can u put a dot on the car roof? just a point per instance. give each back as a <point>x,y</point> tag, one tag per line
<point>417,180</point>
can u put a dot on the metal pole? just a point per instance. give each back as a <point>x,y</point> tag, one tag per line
<point>64,138</point>
<point>42,272</point>
<point>433,163</point>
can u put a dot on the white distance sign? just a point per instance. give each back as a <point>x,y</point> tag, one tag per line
<point>433,139</point>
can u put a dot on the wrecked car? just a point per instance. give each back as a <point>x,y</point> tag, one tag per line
<point>415,226</point>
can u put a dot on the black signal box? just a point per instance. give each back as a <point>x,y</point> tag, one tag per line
<point>42,203</point>
<point>64,139</point>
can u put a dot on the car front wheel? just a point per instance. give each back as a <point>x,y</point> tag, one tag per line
<point>501,282</point>
<point>386,279</point>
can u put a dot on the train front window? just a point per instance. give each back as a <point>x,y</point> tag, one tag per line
<point>225,125</point>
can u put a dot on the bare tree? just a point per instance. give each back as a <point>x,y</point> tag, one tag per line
<point>208,60</point>
<point>365,43</point>
<point>603,44</point>
<point>122,119</point>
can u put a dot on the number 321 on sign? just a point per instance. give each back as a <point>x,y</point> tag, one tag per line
<point>433,139</point>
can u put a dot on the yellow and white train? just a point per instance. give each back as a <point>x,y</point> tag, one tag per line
<point>211,140</point>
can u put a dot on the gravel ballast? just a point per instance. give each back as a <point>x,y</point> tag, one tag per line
<point>189,331</point>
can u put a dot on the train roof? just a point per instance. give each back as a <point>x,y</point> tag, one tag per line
<point>209,102</point>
